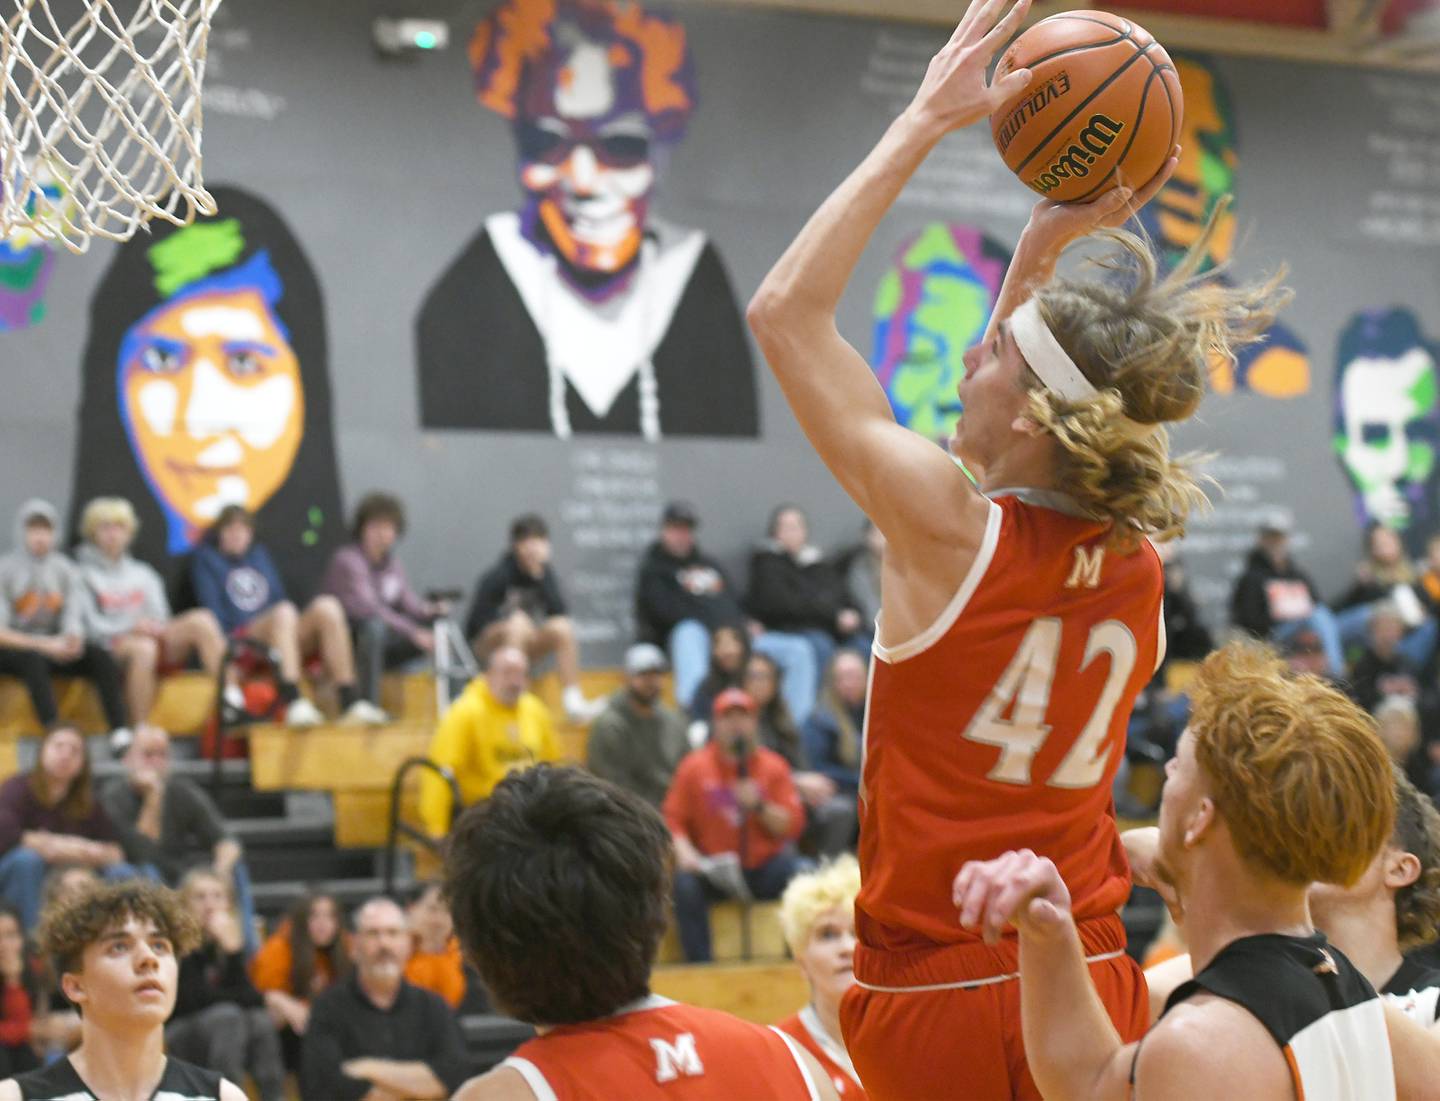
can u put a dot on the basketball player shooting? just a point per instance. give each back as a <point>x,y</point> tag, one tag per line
<point>1022,614</point>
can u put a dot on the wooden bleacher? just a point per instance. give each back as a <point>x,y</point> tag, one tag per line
<point>182,706</point>
<point>759,992</point>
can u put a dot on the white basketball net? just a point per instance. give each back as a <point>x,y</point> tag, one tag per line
<point>100,118</point>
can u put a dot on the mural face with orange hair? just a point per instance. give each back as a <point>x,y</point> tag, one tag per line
<point>592,87</point>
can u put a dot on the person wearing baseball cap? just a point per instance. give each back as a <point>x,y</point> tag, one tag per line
<point>732,802</point>
<point>681,596</point>
<point>639,739</point>
<point>1274,599</point>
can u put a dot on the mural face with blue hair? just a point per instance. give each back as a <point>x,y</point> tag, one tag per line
<point>932,304</point>
<point>210,388</point>
<point>1387,419</point>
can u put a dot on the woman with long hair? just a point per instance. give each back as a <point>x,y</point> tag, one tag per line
<point>1385,575</point>
<point>300,960</point>
<point>729,653</point>
<point>830,815</point>
<point>50,816</point>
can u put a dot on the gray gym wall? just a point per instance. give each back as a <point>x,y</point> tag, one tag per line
<point>383,169</point>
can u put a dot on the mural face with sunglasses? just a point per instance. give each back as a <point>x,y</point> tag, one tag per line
<point>585,161</point>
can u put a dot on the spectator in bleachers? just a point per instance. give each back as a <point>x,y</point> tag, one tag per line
<point>170,824</point>
<point>817,915</point>
<point>639,739</point>
<point>129,612</point>
<point>236,579</point>
<point>732,810</point>
<point>800,598</point>
<point>1427,582</point>
<point>43,620</point>
<point>860,566</point>
<point>50,816</point>
<point>374,1035</point>
<point>389,621</point>
<point>1386,576</point>
<point>1398,722</point>
<point>830,817</point>
<point>1274,598</point>
<point>495,726</point>
<point>729,655</point>
<point>21,994</point>
<point>1161,712</point>
<point>681,596</point>
<point>833,733</point>
<point>298,962</point>
<point>220,1021</point>
<point>518,603</point>
<point>435,963</point>
<point>1383,670</point>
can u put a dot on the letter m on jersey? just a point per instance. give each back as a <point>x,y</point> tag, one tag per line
<point>673,1060</point>
<point>1085,574</point>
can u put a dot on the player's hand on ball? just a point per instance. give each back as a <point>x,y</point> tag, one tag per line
<point>1055,225</point>
<point>1018,888</point>
<point>954,92</point>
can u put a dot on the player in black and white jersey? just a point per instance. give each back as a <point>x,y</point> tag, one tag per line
<point>1393,908</point>
<point>116,949</point>
<point>1279,782</point>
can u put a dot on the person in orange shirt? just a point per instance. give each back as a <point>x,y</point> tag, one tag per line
<point>731,782</point>
<point>303,957</point>
<point>817,915</point>
<point>435,964</point>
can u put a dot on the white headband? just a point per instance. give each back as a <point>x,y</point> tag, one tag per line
<point>1052,364</point>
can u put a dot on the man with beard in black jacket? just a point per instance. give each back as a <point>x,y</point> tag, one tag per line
<point>1274,599</point>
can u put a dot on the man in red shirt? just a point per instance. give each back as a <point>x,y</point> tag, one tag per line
<point>734,813</point>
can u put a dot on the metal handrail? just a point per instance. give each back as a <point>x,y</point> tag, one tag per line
<point>397,827</point>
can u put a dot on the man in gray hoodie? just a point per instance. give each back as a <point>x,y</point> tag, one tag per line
<point>43,620</point>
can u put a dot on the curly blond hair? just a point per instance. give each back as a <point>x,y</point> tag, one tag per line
<point>1147,343</point>
<point>1417,831</point>
<point>831,886</point>
<point>1295,768</point>
<point>68,928</point>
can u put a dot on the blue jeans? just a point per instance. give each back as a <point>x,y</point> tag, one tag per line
<point>1416,647</point>
<point>693,897</point>
<point>689,645</point>
<point>22,880</point>
<point>1322,622</point>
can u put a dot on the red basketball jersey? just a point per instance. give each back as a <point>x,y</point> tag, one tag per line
<point>662,1049</point>
<point>805,1028</point>
<point>1001,727</point>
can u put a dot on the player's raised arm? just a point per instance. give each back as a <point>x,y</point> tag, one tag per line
<point>835,396</point>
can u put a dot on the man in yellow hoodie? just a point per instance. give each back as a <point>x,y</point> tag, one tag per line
<point>495,727</point>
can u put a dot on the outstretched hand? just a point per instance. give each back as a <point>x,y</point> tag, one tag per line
<point>954,92</point>
<point>1054,225</point>
<point>1018,888</point>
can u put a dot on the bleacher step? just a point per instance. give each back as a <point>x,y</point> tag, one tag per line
<point>276,897</point>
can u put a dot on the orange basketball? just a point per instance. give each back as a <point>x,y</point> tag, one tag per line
<point>1104,97</point>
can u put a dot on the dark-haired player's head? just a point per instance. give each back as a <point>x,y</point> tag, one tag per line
<point>1404,877</point>
<point>559,884</point>
<point>115,948</point>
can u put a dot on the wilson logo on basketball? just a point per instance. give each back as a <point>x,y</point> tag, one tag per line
<point>1093,141</point>
<point>1015,121</point>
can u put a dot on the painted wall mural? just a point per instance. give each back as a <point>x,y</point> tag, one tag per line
<point>206,384</point>
<point>1387,421</point>
<point>583,311</point>
<point>1209,170</point>
<point>933,303</point>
